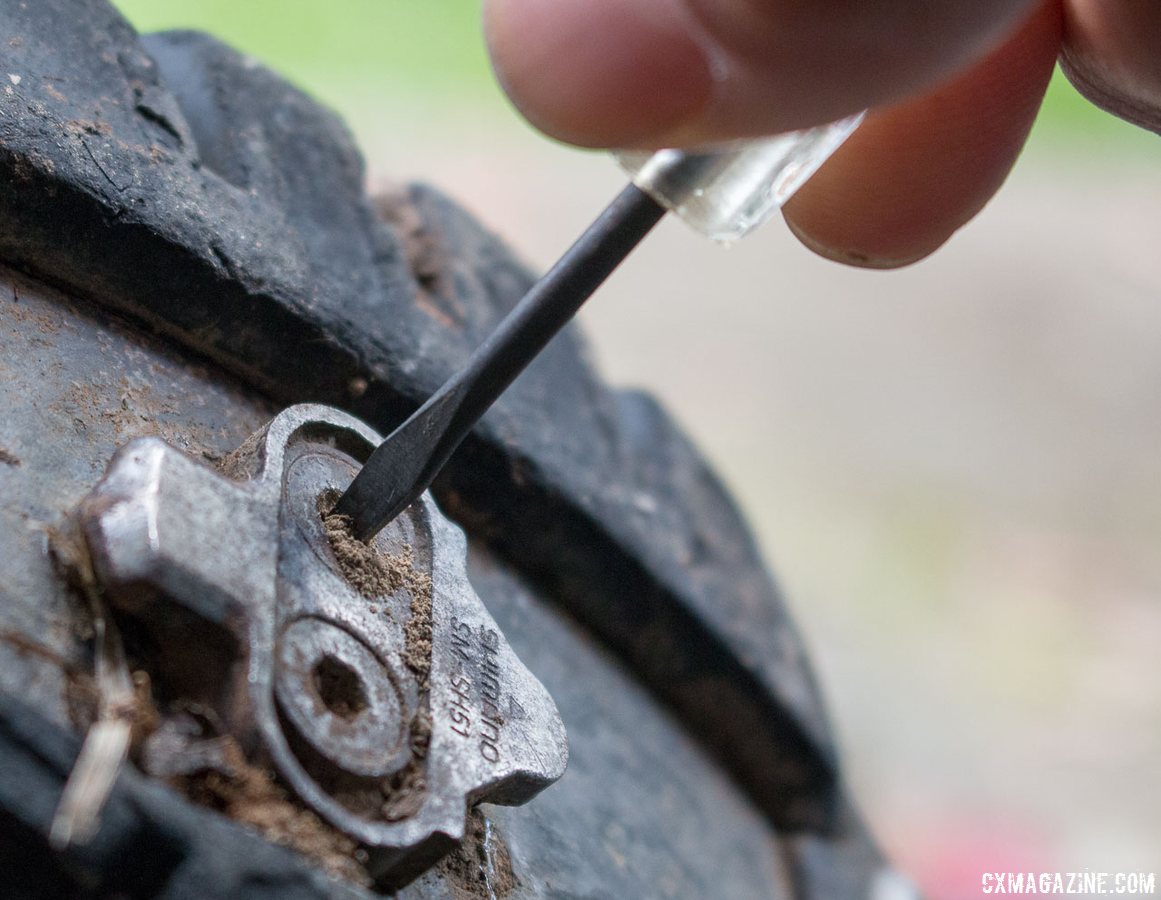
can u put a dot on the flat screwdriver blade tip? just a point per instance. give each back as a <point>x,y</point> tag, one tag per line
<point>408,460</point>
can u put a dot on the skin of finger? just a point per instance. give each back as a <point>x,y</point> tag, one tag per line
<point>598,73</point>
<point>786,64</point>
<point>916,172</point>
<point>684,72</point>
<point>1112,53</point>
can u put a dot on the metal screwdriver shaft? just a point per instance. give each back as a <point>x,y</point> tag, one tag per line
<point>404,465</point>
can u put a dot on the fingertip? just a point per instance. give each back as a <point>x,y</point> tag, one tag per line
<point>597,73</point>
<point>914,173</point>
<point>860,259</point>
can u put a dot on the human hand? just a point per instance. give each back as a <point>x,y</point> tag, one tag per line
<point>953,87</point>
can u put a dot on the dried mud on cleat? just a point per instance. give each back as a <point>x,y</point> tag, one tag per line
<point>370,675</point>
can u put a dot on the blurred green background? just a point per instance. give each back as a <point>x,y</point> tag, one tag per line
<point>953,468</point>
<point>347,52</point>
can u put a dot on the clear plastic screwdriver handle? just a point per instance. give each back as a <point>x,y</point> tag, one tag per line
<point>727,193</point>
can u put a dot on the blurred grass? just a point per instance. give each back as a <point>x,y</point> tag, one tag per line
<point>350,52</point>
<point>368,46</point>
<point>1069,125</point>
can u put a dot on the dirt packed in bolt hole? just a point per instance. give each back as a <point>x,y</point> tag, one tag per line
<point>376,574</point>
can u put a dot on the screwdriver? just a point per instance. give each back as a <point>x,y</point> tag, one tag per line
<point>724,194</point>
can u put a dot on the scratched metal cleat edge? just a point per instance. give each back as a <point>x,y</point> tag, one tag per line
<point>161,525</point>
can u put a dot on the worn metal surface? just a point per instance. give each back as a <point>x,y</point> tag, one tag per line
<point>431,685</point>
<point>642,806</point>
<point>641,811</point>
<point>198,193</point>
<point>193,189</point>
<point>595,830</point>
